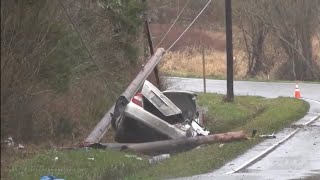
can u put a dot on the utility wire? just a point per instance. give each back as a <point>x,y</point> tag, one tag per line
<point>189,25</point>
<point>185,5</point>
<point>85,46</point>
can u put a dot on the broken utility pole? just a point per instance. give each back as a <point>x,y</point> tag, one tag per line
<point>117,109</point>
<point>175,144</point>
<point>229,46</point>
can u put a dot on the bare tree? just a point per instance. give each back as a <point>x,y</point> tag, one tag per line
<point>254,33</point>
<point>293,23</point>
<point>46,71</point>
<point>24,49</point>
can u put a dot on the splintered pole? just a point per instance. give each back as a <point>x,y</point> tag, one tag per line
<point>228,11</point>
<point>116,110</point>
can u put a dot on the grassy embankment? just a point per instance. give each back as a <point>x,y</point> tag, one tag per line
<point>246,113</point>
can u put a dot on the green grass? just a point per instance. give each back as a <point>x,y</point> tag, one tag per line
<point>246,113</point>
<point>226,116</point>
<point>75,165</point>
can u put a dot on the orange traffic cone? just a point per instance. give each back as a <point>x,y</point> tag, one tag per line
<point>297,92</point>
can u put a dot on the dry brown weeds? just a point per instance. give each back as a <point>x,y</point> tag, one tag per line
<point>189,63</point>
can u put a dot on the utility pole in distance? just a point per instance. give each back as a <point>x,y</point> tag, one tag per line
<point>204,71</point>
<point>229,47</point>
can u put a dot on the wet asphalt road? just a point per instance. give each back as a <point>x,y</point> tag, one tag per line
<point>298,157</point>
<point>265,89</point>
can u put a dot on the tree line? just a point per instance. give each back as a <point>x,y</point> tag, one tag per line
<point>281,31</point>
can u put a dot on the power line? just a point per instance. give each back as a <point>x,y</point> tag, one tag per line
<point>82,42</point>
<point>185,5</point>
<point>189,25</point>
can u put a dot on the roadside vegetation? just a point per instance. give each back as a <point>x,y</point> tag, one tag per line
<point>268,41</point>
<point>52,91</point>
<point>190,64</point>
<point>190,60</point>
<point>246,113</point>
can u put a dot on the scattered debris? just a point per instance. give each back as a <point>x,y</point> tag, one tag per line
<point>268,136</point>
<point>50,177</point>
<point>9,142</point>
<point>198,129</point>
<point>156,159</point>
<point>192,128</point>
<point>133,156</point>
<point>183,126</point>
<point>20,146</point>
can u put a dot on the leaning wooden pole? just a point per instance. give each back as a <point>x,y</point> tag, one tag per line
<point>156,69</point>
<point>117,109</point>
<point>149,37</point>
<point>176,144</point>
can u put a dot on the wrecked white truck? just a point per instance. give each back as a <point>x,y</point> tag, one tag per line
<point>152,115</point>
<point>142,113</point>
<point>149,121</point>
